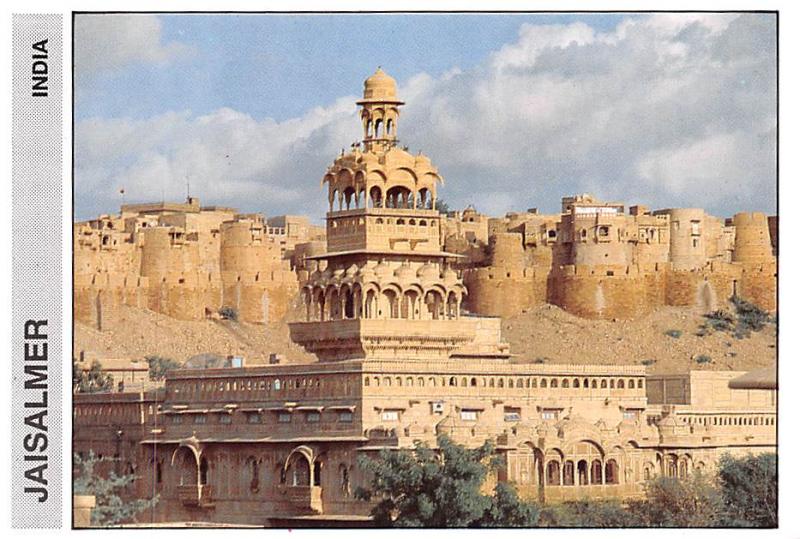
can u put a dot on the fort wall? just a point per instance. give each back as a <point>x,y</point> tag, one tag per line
<point>602,263</point>
<point>182,261</point>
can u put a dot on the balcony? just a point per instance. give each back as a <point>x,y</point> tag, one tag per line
<point>195,495</point>
<point>304,498</point>
<point>382,338</point>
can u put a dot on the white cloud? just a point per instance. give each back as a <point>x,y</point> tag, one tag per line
<point>667,111</point>
<point>110,42</point>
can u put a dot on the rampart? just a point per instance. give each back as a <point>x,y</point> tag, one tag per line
<point>183,261</point>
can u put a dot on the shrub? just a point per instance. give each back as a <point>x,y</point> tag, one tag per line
<point>229,313</point>
<point>702,358</point>
<point>672,502</point>
<point>95,380</point>
<point>114,504</point>
<point>674,333</point>
<point>749,490</point>
<point>720,320</point>
<point>587,514</point>
<point>160,365</point>
<point>539,360</point>
<point>751,318</point>
<point>648,362</point>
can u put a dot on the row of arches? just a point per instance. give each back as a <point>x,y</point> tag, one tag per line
<point>395,197</point>
<point>511,383</point>
<point>379,129</point>
<point>583,463</point>
<point>582,472</point>
<point>301,468</point>
<point>387,302</point>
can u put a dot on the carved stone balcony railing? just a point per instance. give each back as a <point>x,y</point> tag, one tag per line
<point>195,495</point>
<point>382,338</point>
<point>304,498</point>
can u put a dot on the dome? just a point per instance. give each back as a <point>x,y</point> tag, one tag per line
<point>428,272</point>
<point>383,271</point>
<point>351,271</point>
<point>380,87</point>
<point>366,273</point>
<point>450,276</point>
<point>405,273</point>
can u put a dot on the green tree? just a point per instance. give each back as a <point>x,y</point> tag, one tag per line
<point>441,206</point>
<point>440,487</point>
<point>112,506</point>
<point>588,514</point>
<point>95,380</point>
<point>507,510</point>
<point>749,490</point>
<point>672,502</point>
<point>160,365</point>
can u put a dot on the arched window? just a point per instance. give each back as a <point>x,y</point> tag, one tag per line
<point>583,473</point>
<point>612,472</point>
<point>564,383</point>
<point>576,383</point>
<point>453,381</point>
<point>569,473</point>
<point>553,383</point>
<point>376,197</point>
<point>252,464</point>
<point>203,471</point>
<point>553,473</point>
<point>597,472</point>
<point>344,479</point>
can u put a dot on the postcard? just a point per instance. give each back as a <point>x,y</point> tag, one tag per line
<point>395,269</point>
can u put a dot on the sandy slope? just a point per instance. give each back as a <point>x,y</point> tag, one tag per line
<point>545,332</point>
<point>550,333</point>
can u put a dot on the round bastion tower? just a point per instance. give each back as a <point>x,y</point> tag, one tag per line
<point>752,242</point>
<point>384,259</point>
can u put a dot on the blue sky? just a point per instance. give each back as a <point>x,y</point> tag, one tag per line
<point>516,110</point>
<point>279,66</point>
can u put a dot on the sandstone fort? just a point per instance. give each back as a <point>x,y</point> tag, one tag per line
<point>402,305</point>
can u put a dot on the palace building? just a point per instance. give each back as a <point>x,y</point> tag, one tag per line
<point>400,361</point>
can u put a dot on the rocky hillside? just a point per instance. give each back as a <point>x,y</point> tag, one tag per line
<point>665,340</point>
